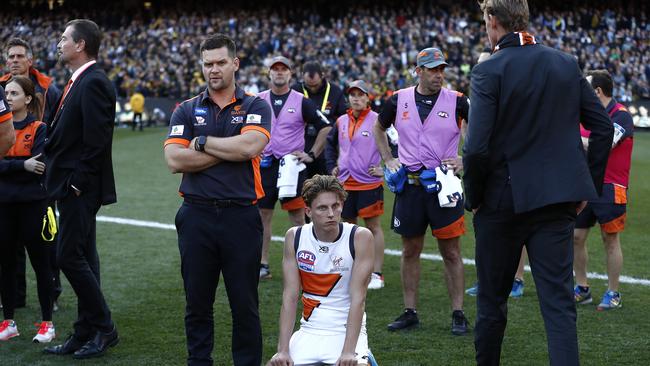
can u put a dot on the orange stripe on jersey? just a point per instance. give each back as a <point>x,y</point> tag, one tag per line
<point>308,306</point>
<point>320,284</point>
<point>256,128</point>
<point>257,177</point>
<point>178,141</point>
<point>6,117</point>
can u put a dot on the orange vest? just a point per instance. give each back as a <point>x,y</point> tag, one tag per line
<point>24,140</point>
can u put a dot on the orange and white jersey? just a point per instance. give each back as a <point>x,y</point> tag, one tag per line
<point>325,269</point>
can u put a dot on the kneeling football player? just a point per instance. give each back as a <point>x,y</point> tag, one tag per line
<point>331,262</point>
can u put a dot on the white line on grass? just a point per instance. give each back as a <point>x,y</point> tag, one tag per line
<point>393,252</point>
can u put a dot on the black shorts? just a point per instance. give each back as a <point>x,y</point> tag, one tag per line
<point>609,210</point>
<point>269,183</point>
<point>415,209</point>
<point>364,204</point>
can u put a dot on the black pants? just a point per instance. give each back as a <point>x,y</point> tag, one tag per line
<point>214,241</point>
<point>20,225</point>
<point>137,120</point>
<point>77,257</point>
<point>548,235</point>
<point>21,283</point>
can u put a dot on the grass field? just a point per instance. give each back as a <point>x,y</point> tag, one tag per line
<point>142,284</point>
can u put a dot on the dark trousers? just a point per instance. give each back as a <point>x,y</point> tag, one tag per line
<point>20,225</point>
<point>77,257</point>
<point>214,241</point>
<point>21,283</point>
<point>548,235</point>
<point>137,121</point>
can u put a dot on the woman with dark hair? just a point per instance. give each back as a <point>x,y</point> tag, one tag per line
<point>23,204</point>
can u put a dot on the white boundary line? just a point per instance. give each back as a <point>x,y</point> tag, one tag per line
<point>392,252</point>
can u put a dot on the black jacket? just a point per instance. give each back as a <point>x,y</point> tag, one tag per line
<point>78,149</point>
<point>526,106</point>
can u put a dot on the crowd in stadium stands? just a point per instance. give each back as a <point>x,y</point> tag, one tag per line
<point>157,55</point>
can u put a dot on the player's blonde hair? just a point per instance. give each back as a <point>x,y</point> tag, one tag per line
<point>322,183</point>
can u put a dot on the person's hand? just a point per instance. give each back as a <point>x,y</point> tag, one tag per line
<point>281,359</point>
<point>580,206</point>
<point>455,164</point>
<point>302,156</point>
<point>347,359</point>
<point>392,165</point>
<point>335,171</point>
<point>376,171</point>
<point>32,165</point>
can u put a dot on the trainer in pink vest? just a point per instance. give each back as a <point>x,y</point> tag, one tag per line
<point>425,145</point>
<point>288,128</point>
<point>356,156</point>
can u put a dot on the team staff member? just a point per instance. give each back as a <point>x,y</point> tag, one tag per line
<point>524,172</point>
<point>609,209</point>
<point>330,100</point>
<point>428,119</point>
<point>7,135</point>
<point>79,176</point>
<point>215,140</point>
<point>19,62</point>
<point>352,156</point>
<point>331,263</point>
<point>292,112</point>
<point>23,203</point>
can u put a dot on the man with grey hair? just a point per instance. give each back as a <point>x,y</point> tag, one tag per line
<point>526,175</point>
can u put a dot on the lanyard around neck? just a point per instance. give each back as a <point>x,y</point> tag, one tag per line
<point>327,94</point>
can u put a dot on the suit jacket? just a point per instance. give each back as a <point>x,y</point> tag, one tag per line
<point>78,149</point>
<point>526,106</point>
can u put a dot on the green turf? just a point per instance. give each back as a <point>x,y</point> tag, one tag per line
<point>142,284</point>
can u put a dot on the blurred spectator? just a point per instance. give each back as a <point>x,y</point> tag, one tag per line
<point>377,43</point>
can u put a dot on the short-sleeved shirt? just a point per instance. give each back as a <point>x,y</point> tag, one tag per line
<point>5,111</point>
<point>425,105</point>
<point>200,116</point>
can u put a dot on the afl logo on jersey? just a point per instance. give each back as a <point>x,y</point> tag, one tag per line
<point>306,257</point>
<point>443,114</point>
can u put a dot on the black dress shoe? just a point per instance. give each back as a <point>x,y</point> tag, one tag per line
<point>70,346</point>
<point>97,346</point>
<point>407,320</point>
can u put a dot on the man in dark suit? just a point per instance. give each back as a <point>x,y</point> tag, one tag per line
<point>80,177</point>
<point>526,175</point>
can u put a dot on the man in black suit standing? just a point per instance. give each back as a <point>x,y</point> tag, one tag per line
<point>80,177</point>
<point>526,175</point>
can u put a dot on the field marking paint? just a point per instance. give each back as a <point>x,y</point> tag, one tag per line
<point>392,252</point>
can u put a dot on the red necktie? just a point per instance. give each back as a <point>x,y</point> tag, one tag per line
<point>65,93</point>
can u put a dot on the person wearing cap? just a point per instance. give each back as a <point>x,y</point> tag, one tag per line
<point>329,99</point>
<point>292,113</point>
<point>351,155</point>
<point>215,140</point>
<point>428,118</point>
